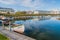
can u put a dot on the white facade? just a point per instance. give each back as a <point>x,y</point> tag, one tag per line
<point>6,10</point>
<point>29,12</point>
<point>36,12</point>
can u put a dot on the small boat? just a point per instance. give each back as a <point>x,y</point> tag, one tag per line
<point>19,29</point>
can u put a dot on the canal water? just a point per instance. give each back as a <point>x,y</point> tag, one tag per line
<point>42,30</point>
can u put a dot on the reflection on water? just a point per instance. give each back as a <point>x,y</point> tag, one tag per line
<point>0,22</point>
<point>42,30</point>
<point>19,22</point>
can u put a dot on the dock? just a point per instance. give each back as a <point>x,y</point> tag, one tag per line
<point>13,35</point>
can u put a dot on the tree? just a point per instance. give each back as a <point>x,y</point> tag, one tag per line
<point>8,12</point>
<point>19,13</point>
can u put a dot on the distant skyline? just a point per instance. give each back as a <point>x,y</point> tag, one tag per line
<point>21,5</point>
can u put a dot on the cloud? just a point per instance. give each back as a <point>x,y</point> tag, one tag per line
<point>26,3</point>
<point>32,4</point>
<point>8,1</point>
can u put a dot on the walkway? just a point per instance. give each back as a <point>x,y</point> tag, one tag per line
<point>14,36</point>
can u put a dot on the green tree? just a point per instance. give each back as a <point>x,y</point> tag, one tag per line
<point>19,13</point>
<point>8,12</point>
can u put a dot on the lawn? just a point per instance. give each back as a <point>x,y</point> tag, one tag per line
<point>2,37</point>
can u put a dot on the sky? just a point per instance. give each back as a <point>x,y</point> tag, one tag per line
<point>21,5</point>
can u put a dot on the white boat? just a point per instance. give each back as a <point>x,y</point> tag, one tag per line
<point>19,29</point>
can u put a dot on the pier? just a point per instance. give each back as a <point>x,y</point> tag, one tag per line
<point>13,35</point>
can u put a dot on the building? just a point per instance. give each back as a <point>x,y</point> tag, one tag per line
<point>29,12</point>
<point>36,12</point>
<point>6,10</point>
<point>55,11</point>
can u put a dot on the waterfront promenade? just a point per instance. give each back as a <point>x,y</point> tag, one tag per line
<point>13,35</point>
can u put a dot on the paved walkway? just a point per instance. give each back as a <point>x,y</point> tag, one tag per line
<point>14,36</point>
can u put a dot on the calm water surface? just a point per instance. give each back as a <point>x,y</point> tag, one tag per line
<point>42,30</point>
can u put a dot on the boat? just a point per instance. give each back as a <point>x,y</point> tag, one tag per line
<point>19,29</point>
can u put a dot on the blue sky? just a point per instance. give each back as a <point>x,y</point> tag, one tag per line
<point>31,4</point>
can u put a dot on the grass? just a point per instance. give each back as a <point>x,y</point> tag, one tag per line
<point>2,37</point>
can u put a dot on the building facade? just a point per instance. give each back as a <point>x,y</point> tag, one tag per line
<point>6,10</point>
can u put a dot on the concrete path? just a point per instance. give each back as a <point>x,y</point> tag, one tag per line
<point>14,36</point>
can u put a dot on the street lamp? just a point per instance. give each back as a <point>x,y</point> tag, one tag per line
<point>10,19</point>
<point>3,22</point>
<point>9,26</point>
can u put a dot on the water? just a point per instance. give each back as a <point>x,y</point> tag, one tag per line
<point>19,22</point>
<point>42,30</point>
<point>0,22</point>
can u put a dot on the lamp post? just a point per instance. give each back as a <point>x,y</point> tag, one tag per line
<point>10,19</point>
<point>9,26</point>
<point>3,22</point>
